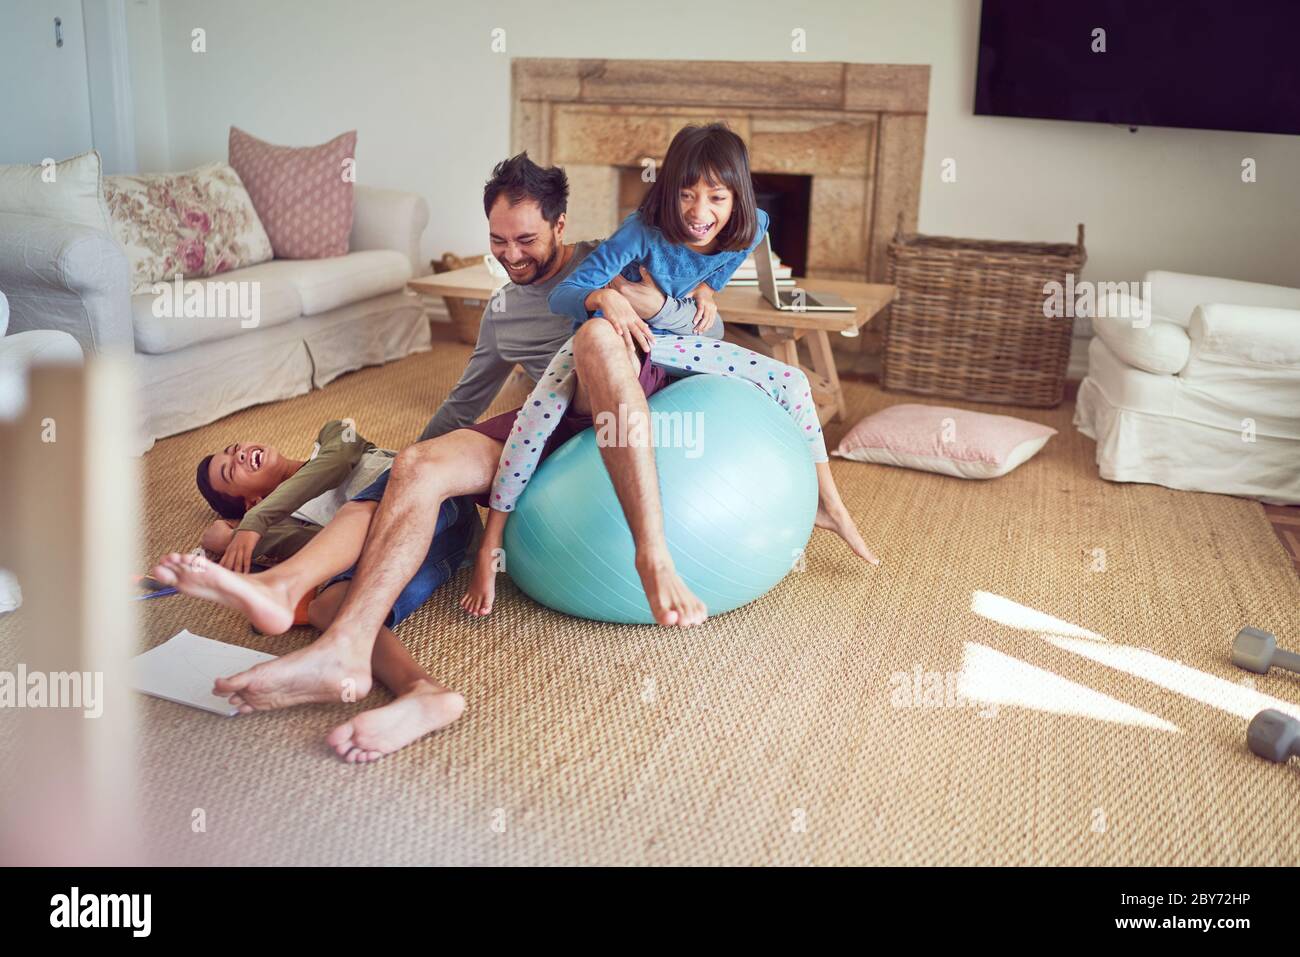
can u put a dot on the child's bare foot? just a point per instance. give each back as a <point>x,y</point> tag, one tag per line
<point>836,517</point>
<point>326,670</point>
<point>482,590</point>
<point>423,709</point>
<point>833,515</point>
<point>267,606</point>
<point>671,602</point>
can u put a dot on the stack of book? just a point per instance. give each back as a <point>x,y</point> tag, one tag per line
<point>747,274</point>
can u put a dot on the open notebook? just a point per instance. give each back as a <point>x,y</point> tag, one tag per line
<point>184,666</point>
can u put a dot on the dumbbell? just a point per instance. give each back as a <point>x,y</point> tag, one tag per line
<point>1257,651</point>
<point>1273,735</point>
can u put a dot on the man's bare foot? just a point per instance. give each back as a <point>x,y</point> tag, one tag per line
<point>482,590</point>
<point>836,517</point>
<point>421,710</point>
<point>326,670</point>
<point>671,602</point>
<point>266,605</point>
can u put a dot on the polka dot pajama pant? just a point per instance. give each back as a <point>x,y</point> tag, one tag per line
<point>680,355</point>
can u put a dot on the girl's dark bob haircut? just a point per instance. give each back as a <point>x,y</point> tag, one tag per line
<point>718,156</point>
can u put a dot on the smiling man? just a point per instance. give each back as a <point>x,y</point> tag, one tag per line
<point>525,206</point>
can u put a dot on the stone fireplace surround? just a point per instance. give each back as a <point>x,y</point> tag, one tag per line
<point>857,129</point>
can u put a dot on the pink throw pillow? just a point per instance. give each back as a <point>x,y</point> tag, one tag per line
<point>303,195</point>
<point>944,440</point>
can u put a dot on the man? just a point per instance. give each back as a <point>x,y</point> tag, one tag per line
<point>518,328</point>
<point>525,205</point>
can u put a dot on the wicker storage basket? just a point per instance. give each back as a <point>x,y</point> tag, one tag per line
<point>968,322</point>
<point>465,313</point>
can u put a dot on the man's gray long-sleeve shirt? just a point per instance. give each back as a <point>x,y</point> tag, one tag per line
<point>522,330</point>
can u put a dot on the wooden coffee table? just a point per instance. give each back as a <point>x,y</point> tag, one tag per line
<point>472,282</point>
<point>777,332</point>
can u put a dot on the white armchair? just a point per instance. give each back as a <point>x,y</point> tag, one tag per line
<point>18,353</point>
<point>21,351</point>
<point>1201,392</point>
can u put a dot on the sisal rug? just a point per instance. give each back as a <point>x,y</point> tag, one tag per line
<point>1285,520</point>
<point>1037,674</point>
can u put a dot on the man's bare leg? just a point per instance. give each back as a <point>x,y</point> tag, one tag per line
<point>423,475</point>
<point>607,383</point>
<point>268,599</point>
<point>422,705</point>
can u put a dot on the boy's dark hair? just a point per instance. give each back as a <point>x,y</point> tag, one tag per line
<point>227,506</point>
<point>717,155</point>
<point>519,178</point>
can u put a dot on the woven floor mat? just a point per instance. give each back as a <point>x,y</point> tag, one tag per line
<point>1037,673</point>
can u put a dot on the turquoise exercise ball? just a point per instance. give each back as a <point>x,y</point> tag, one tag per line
<point>739,493</point>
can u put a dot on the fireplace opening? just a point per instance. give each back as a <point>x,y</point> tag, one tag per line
<point>785,197</point>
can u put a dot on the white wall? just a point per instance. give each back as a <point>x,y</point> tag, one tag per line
<point>148,86</point>
<point>431,102</point>
<point>108,75</point>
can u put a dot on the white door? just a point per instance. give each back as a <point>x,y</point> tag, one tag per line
<point>44,94</point>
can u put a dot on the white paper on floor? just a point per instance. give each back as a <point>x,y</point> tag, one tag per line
<point>183,668</point>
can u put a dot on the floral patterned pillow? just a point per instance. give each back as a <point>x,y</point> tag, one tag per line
<point>193,224</point>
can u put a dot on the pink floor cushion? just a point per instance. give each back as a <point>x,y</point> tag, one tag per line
<point>944,440</point>
<point>303,195</point>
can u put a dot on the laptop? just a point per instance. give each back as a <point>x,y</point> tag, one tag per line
<point>797,299</point>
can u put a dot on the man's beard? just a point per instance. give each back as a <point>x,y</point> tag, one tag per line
<point>540,267</point>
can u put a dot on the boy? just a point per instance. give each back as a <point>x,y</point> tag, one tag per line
<point>271,505</point>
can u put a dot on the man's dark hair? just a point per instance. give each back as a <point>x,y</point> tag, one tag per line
<point>718,156</point>
<point>519,178</point>
<point>227,506</point>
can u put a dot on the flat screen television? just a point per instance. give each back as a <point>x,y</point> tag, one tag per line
<point>1204,64</point>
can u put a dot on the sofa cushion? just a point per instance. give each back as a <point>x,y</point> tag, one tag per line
<point>325,284</point>
<point>1128,387</point>
<point>1251,336</point>
<point>1162,347</point>
<point>197,223</point>
<point>203,310</point>
<point>1235,400</point>
<point>1247,358</point>
<point>191,387</point>
<point>69,191</point>
<point>302,194</point>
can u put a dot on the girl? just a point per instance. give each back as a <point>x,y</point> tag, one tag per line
<point>696,225</point>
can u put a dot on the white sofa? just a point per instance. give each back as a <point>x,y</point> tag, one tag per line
<point>1206,397</point>
<point>319,318</point>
